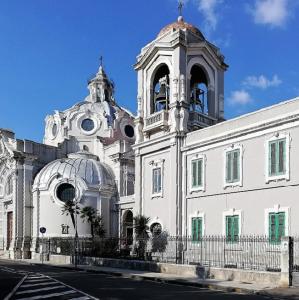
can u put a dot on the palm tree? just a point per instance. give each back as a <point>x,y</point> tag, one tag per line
<point>88,214</point>
<point>99,226</point>
<point>141,229</point>
<point>71,208</point>
<point>141,226</point>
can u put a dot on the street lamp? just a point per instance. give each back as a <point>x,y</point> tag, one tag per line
<point>76,215</point>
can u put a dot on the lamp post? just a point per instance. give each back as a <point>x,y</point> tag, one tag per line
<point>76,215</point>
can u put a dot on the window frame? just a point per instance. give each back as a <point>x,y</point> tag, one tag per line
<point>276,138</point>
<point>239,181</point>
<point>277,237</point>
<point>157,165</point>
<point>202,158</point>
<point>275,210</point>
<point>200,215</point>
<point>235,213</point>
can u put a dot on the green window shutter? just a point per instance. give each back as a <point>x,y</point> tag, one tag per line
<point>228,228</point>
<point>199,228</point>
<point>228,167</point>
<point>272,227</point>
<point>235,228</point>
<point>236,165</point>
<point>159,180</point>
<point>199,170</point>
<point>281,156</point>
<point>272,158</point>
<point>194,167</point>
<point>281,226</point>
<point>193,229</point>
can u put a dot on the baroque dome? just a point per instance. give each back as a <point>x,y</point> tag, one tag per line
<point>180,24</point>
<point>81,165</point>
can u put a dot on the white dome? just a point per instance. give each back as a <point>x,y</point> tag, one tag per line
<point>81,165</point>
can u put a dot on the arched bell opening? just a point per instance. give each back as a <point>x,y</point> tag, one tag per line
<point>128,227</point>
<point>160,93</point>
<point>199,90</point>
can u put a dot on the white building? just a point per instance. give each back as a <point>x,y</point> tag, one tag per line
<point>194,173</point>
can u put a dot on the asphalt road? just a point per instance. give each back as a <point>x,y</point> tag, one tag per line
<point>46,282</point>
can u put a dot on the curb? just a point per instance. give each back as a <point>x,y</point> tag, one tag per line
<point>182,282</point>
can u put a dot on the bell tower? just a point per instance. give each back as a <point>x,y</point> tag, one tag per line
<point>180,82</point>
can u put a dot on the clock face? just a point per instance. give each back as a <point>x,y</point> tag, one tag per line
<point>87,124</point>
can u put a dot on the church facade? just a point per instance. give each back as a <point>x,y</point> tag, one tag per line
<point>178,161</point>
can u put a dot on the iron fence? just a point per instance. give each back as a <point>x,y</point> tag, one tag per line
<point>296,254</point>
<point>246,252</point>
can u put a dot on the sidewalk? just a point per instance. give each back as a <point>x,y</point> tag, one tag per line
<point>226,286</point>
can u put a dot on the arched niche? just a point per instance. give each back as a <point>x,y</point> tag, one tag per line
<point>160,89</point>
<point>203,70</point>
<point>199,90</point>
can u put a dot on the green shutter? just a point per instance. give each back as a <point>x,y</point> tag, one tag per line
<point>194,173</point>
<point>236,228</point>
<point>272,158</point>
<point>276,227</point>
<point>236,165</point>
<point>281,226</point>
<point>199,170</point>
<point>228,167</point>
<point>196,229</point>
<point>281,156</point>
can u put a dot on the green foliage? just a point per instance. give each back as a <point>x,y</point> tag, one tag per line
<point>141,226</point>
<point>89,214</point>
<point>70,208</point>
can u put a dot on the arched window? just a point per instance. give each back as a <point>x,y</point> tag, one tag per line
<point>160,92</point>
<point>198,90</point>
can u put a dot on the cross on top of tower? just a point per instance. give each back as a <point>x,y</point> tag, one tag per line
<point>180,7</point>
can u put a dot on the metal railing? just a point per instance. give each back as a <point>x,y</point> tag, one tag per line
<point>247,252</point>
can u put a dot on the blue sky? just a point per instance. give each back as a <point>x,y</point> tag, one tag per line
<point>49,48</point>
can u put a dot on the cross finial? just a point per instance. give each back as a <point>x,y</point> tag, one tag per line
<point>180,7</point>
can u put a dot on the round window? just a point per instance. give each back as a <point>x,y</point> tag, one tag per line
<point>129,131</point>
<point>54,129</point>
<point>87,124</point>
<point>66,192</point>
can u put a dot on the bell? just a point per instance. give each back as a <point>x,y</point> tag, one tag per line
<point>161,96</point>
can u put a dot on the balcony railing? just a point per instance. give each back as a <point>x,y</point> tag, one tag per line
<point>156,121</point>
<point>197,119</point>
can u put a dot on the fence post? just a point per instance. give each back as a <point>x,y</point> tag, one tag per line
<point>286,261</point>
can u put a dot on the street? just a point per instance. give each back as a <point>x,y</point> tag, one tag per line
<point>47,282</point>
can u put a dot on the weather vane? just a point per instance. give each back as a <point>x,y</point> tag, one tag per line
<point>180,7</point>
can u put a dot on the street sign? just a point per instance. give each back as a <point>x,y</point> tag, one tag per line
<point>42,230</point>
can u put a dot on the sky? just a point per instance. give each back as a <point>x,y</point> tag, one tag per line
<point>50,48</point>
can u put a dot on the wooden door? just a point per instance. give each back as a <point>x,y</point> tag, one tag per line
<point>9,228</point>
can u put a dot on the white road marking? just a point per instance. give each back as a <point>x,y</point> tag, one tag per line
<point>80,298</point>
<point>48,296</point>
<point>41,290</point>
<point>38,284</point>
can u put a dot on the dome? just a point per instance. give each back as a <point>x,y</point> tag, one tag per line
<point>82,165</point>
<point>180,24</point>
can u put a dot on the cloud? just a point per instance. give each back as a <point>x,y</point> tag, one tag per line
<point>240,97</point>
<point>271,12</point>
<point>208,8</point>
<point>262,81</point>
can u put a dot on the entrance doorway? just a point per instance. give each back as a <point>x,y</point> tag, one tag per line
<point>9,229</point>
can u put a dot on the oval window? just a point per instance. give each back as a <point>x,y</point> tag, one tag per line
<point>54,129</point>
<point>129,131</point>
<point>87,124</point>
<point>65,192</point>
